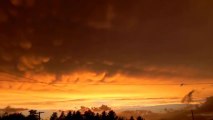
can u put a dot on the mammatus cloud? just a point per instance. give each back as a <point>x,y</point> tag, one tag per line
<point>154,39</point>
<point>28,63</point>
<point>25,45</point>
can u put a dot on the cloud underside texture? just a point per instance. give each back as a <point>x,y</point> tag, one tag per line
<point>134,38</point>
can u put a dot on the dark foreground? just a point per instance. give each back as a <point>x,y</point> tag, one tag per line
<point>71,115</point>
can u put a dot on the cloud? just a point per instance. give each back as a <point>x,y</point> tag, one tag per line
<point>200,113</point>
<point>167,40</point>
<point>207,106</point>
<point>95,109</point>
<point>3,17</point>
<point>21,3</point>
<point>188,98</point>
<point>101,108</point>
<point>16,2</point>
<point>51,102</point>
<point>135,113</point>
<point>25,45</point>
<point>105,21</point>
<point>27,63</point>
<point>9,109</point>
<point>160,99</point>
<point>204,112</point>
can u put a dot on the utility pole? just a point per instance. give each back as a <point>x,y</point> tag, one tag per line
<point>192,115</point>
<point>39,115</point>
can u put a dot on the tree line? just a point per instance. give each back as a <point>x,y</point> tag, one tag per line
<point>71,115</point>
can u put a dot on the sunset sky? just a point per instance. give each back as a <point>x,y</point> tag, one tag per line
<point>63,54</point>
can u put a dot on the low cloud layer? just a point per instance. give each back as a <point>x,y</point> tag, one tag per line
<point>206,107</point>
<point>202,112</point>
<point>9,109</point>
<point>95,109</point>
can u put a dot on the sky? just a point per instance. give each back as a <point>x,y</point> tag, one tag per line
<point>63,54</point>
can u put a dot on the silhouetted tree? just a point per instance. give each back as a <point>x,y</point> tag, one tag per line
<point>62,116</point>
<point>111,115</point>
<point>132,118</point>
<point>120,118</point>
<point>54,116</point>
<point>77,116</point>
<point>32,115</point>
<point>89,115</point>
<point>97,116</point>
<point>69,116</point>
<point>104,115</point>
<point>140,118</point>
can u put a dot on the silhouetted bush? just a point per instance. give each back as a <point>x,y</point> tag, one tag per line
<point>15,116</point>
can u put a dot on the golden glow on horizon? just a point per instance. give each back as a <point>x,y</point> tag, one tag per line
<point>85,89</point>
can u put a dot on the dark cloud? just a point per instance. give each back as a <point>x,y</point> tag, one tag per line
<point>9,109</point>
<point>202,112</point>
<point>207,107</point>
<point>64,36</point>
<point>188,97</point>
